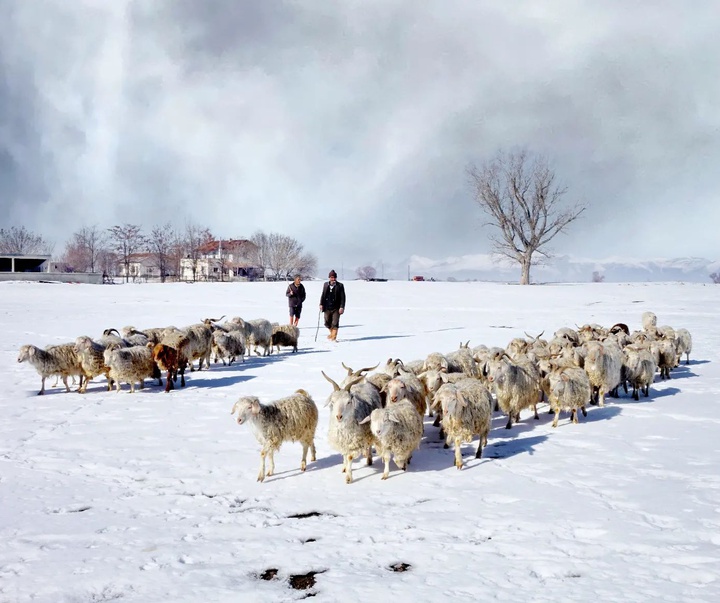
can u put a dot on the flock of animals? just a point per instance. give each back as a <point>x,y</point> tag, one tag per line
<point>131,356</point>
<point>383,407</point>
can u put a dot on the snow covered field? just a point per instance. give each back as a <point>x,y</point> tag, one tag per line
<point>153,496</point>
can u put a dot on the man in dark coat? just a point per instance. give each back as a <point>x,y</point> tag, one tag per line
<point>296,296</point>
<point>332,303</point>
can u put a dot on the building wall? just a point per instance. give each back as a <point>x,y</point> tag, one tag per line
<point>91,278</point>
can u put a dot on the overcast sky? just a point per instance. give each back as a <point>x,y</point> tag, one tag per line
<point>349,124</point>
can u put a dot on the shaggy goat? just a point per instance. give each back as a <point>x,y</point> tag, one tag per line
<point>290,419</point>
<point>398,430</point>
<point>61,359</point>
<point>467,412</point>
<point>349,405</point>
<point>131,365</point>
<point>569,389</point>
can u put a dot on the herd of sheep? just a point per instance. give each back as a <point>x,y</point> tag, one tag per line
<point>131,356</point>
<point>382,408</point>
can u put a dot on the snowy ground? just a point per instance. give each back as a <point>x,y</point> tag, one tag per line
<point>153,496</point>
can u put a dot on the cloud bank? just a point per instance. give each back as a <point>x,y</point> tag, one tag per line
<point>349,125</point>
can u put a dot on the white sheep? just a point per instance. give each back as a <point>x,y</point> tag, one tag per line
<point>228,344</point>
<point>568,389</point>
<point>516,387</point>
<point>683,344</point>
<point>648,321</point>
<point>462,361</point>
<point>349,405</point>
<point>258,333</point>
<point>290,419</point>
<point>92,360</point>
<point>398,430</point>
<point>603,364</point>
<point>639,368</point>
<point>200,345</point>
<point>61,359</point>
<point>665,355</point>
<point>467,412</point>
<point>131,365</point>
<point>407,387</point>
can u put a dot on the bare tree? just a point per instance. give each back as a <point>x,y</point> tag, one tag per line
<point>21,241</point>
<point>366,272</point>
<point>125,241</point>
<point>261,254</point>
<point>523,202</point>
<point>282,256</point>
<point>306,265</point>
<point>84,249</point>
<point>163,244</point>
<point>194,239</point>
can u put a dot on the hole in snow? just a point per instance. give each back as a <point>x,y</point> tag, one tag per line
<point>269,574</point>
<point>304,581</point>
<point>400,567</point>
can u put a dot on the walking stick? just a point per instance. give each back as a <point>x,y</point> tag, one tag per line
<point>318,327</point>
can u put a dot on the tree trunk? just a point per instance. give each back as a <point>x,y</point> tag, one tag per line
<point>525,271</point>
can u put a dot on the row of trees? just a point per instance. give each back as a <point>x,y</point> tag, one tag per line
<point>93,249</point>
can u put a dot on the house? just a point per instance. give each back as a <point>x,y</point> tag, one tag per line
<point>223,260</point>
<point>142,266</point>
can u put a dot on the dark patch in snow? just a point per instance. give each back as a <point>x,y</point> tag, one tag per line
<point>500,327</point>
<point>269,574</point>
<point>304,581</point>
<point>310,540</point>
<point>400,567</point>
<point>310,514</point>
<point>72,509</point>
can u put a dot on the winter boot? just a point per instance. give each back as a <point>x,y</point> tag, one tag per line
<point>333,335</point>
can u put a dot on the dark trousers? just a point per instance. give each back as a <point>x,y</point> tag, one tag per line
<point>332,319</point>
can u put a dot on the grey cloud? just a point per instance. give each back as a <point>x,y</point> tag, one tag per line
<point>350,124</point>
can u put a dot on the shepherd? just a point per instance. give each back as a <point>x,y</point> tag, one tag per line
<point>332,304</point>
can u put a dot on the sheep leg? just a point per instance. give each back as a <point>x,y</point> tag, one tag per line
<point>557,416</point>
<point>42,387</point>
<point>537,416</point>
<point>303,463</point>
<point>261,475</point>
<point>64,380</point>
<point>478,452</point>
<point>271,454</point>
<point>313,457</point>
<point>573,415</point>
<point>348,469</point>
<point>169,385</point>
<point>386,460</point>
<point>509,422</point>
<point>368,455</point>
<point>584,412</point>
<point>458,454</point>
<point>635,395</point>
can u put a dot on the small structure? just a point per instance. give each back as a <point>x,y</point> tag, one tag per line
<point>21,267</point>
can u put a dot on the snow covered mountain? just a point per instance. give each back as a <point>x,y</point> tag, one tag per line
<point>563,268</point>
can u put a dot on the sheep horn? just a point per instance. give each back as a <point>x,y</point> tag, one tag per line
<point>336,387</point>
<point>366,369</point>
<point>209,320</point>
<point>107,332</point>
<point>352,381</point>
<point>347,368</point>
